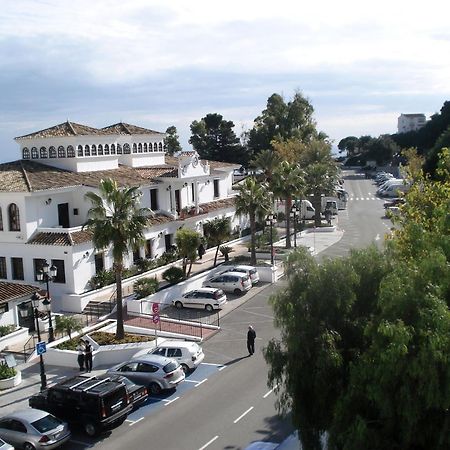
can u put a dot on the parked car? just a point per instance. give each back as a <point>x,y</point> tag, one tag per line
<point>32,429</point>
<point>392,211</point>
<point>94,404</point>
<point>236,282</point>
<point>5,446</point>
<point>397,201</point>
<point>251,271</point>
<point>204,298</point>
<point>188,354</point>
<point>156,372</point>
<point>138,393</point>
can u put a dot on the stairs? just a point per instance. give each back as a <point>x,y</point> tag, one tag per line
<point>99,308</point>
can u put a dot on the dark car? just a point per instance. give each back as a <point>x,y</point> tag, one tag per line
<point>138,394</point>
<point>95,404</point>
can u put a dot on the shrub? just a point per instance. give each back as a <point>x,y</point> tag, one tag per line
<point>6,329</point>
<point>168,257</point>
<point>145,286</point>
<point>67,324</point>
<point>245,232</point>
<point>173,275</point>
<point>226,250</point>
<point>102,278</point>
<point>6,372</point>
<point>281,216</point>
<point>103,338</point>
<point>144,265</point>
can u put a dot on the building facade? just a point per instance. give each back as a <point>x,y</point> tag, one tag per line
<point>43,206</point>
<point>410,122</point>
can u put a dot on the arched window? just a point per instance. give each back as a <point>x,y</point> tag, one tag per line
<point>160,147</point>
<point>26,153</point>
<point>70,152</point>
<point>100,150</point>
<point>52,152</point>
<point>155,147</point>
<point>34,153</point>
<point>139,148</point>
<point>14,218</point>
<point>61,152</point>
<point>94,150</point>
<point>134,148</point>
<point>126,149</point>
<point>1,220</point>
<point>87,150</point>
<point>119,149</point>
<point>106,149</point>
<point>80,150</point>
<point>43,152</point>
<point>145,148</point>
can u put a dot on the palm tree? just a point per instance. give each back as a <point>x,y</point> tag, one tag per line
<point>116,220</point>
<point>217,231</point>
<point>187,242</point>
<point>287,184</point>
<point>67,324</point>
<point>255,200</point>
<point>266,160</point>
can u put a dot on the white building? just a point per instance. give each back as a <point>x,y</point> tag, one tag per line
<point>410,122</point>
<point>43,205</point>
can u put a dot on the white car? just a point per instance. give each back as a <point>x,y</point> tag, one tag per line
<point>251,271</point>
<point>188,354</point>
<point>236,282</point>
<point>204,298</point>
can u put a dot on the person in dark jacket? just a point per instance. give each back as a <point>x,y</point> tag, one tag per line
<point>251,336</point>
<point>201,251</point>
<point>88,355</point>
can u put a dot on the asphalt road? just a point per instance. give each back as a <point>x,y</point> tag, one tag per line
<point>228,404</point>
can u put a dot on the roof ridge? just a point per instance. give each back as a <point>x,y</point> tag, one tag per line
<point>69,234</point>
<point>126,128</point>
<point>71,127</point>
<point>27,180</point>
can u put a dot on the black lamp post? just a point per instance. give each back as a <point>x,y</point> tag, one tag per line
<point>293,215</point>
<point>24,311</point>
<point>269,222</point>
<point>45,275</point>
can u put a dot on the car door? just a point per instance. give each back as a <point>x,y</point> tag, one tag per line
<point>217,282</point>
<point>146,373</point>
<point>189,299</point>
<point>13,431</point>
<point>159,351</point>
<point>129,370</point>
<point>175,353</point>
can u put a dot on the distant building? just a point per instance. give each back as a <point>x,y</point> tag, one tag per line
<point>410,122</point>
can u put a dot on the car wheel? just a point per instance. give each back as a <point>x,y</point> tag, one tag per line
<point>237,291</point>
<point>155,389</point>
<point>90,428</point>
<point>209,308</point>
<point>28,446</point>
<point>178,305</point>
<point>185,368</point>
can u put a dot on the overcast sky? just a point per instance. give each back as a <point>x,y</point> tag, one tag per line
<point>157,63</point>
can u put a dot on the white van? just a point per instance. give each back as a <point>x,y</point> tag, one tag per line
<point>331,204</point>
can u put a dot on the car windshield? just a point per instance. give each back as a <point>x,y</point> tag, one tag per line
<point>218,294</point>
<point>170,367</point>
<point>46,423</point>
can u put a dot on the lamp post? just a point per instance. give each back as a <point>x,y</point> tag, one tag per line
<point>269,222</point>
<point>293,215</point>
<point>24,311</point>
<point>45,275</point>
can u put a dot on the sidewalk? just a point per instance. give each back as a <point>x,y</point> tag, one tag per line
<point>17,397</point>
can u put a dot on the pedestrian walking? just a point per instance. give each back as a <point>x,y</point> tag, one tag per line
<point>80,358</point>
<point>251,336</point>
<point>88,355</point>
<point>328,215</point>
<point>201,251</point>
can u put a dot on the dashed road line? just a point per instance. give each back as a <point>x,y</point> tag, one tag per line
<point>201,382</point>
<point>136,421</point>
<point>171,401</point>
<point>268,393</point>
<point>242,415</point>
<point>209,442</point>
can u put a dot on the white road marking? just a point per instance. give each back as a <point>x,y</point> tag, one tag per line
<point>223,367</point>
<point>136,421</point>
<point>210,442</point>
<point>242,415</point>
<point>211,364</point>
<point>190,381</point>
<point>201,382</point>
<point>268,393</point>
<point>171,401</point>
<point>377,237</point>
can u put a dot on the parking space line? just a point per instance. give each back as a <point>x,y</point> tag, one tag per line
<point>268,393</point>
<point>171,401</point>
<point>190,381</point>
<point>223,367</point>
<point>201,382</point>
<point>209,442</point>
<point>136,421</point>
<point>242,415</point>
<point>211,364</point>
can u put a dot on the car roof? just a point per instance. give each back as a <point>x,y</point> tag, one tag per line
<point>203,289</point>
<point>30,415</point>
<point>175,343</point>
<point>238,274</point>
<point>155,359</point>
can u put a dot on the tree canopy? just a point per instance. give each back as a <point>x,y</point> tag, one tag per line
<point>172,141</point>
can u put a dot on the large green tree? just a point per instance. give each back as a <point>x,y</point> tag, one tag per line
<point>118,222</point>
<point>187,242</point>
<point>217,231</point>
<point>172,141</point>
<point>214,138</point>
<point>255,201</point>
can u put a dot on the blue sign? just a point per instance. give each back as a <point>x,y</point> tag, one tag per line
<point>41,348</point>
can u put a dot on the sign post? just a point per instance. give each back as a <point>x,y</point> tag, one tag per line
<point>155,318</point>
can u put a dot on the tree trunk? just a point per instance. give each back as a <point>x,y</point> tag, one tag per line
<point>318,206</point>
<point>287,211</point>
<point>253,239</point>
<point>215,256</point>
<point>190,268</point>
<point>120,333</point>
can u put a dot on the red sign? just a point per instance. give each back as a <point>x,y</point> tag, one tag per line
<point>155,308</point>
<point>155,318</point>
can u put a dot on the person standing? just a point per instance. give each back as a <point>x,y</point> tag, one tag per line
<point>251,336</point>
<point>88,355</point>
<point>80,358</point>
<point>201,250</point>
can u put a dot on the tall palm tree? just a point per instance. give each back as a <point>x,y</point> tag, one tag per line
<point>267,161</point>
<point>255,200</point>
<point>217,231</point>
<point>287,184</point>
<point>117,221</point>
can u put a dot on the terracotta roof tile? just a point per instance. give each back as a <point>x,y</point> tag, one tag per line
<point>50,238</point>
<point>80,237</point>
<point>12,291</point>
<point>217,204</point>
<point>63,130</point>
<point>126,128</point>
<point>158,219</point>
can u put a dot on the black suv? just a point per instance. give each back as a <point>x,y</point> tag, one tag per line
<point>95,404</point>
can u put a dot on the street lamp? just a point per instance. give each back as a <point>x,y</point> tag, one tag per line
<point>269,222</point>
<point>293,215</point>
<point>45,275</point>
<point>24,311</point>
